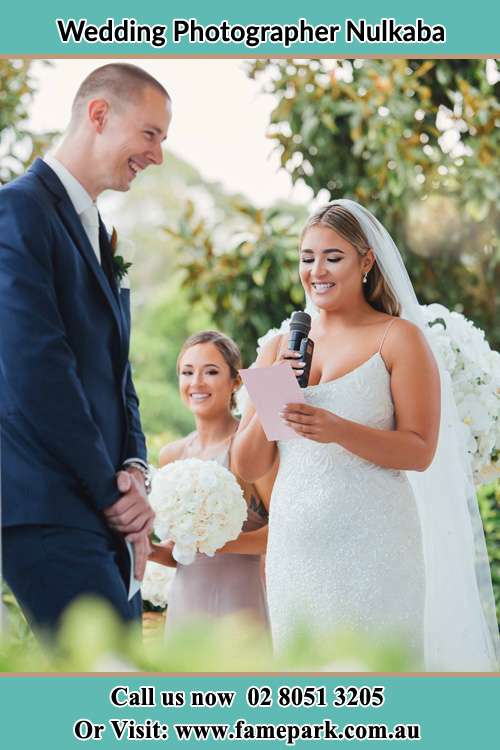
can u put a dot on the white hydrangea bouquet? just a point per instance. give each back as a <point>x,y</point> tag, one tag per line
<point>199,506</point>
<point>475,376</point>
<point>156,584</point>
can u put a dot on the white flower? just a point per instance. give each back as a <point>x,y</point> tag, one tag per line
<point>156,583</point>
<point>199,506</point>
<point>475,377</point>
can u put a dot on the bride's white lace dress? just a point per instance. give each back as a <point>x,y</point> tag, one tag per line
<point>345,547</point>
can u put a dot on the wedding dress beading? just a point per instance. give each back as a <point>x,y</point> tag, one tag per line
<point>344,549</point>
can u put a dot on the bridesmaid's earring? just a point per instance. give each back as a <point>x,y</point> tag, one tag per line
<point>365,277</point>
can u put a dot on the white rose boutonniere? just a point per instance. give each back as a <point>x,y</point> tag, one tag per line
<point>121,250</point>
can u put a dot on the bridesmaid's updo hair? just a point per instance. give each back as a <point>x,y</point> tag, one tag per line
<point>226,346</point>
<point>376,290</point>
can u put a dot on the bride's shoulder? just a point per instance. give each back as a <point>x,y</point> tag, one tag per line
<point>399,329</point>
<point>403,339</point>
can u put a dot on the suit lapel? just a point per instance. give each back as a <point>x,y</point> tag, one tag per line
<point>73,224</point>
<point>107,264</point>
<point>107,258</point>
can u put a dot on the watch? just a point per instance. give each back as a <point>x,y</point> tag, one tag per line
<point>145,471</point>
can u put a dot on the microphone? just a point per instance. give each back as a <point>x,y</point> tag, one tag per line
<point>300,325</point>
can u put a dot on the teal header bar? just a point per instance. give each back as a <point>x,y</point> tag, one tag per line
<point>244,711</point>
<point>56,28</point>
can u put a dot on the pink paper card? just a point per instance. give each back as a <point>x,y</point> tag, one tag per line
<point>270,389</point>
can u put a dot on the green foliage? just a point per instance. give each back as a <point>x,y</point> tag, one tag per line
<point>159,331</point>
<point>158,199</point>
<point>489,505</point>
<point>417,142</point>
<point>18,146</point>
<point>92,640</point>
<point>244,270</point>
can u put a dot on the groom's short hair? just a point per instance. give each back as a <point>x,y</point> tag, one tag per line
<point>122,82</point>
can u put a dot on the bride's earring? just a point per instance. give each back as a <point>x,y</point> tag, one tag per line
<point>365,277</point>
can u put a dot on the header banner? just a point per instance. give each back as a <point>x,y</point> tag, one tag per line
<point>222,29</point>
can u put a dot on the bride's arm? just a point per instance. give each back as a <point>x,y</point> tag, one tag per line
<point>255,542</point>
<point>248,543</point>
<point>253,455</point>
<point>415,392</point>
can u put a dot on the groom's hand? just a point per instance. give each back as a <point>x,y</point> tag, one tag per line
<point>132,514</point>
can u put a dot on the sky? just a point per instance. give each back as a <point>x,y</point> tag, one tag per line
<point>219,122</point>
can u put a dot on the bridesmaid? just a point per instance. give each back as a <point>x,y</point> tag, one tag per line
<point>231,581</point>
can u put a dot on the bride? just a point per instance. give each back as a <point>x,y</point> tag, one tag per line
<point>374,523</point>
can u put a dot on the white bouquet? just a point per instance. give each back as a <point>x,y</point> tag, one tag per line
<point>475,376</point>
<point>199,506</point>
<point>156,583</point>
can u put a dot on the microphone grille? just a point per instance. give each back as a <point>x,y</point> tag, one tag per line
<point>301,321</point>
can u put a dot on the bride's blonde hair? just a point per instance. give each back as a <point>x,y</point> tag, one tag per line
<point>376,290</point>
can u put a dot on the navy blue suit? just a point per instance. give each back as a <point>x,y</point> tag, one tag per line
<point>68,409</point>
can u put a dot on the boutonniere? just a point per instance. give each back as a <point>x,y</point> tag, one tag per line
<point>120,265</point>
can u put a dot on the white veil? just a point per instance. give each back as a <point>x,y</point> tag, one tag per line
<point>461,632</point>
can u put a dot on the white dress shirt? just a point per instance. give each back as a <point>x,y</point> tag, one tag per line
<point>81,200</point>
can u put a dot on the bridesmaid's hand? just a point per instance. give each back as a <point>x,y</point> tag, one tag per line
<point>162,554</point>
<point>310,422</point>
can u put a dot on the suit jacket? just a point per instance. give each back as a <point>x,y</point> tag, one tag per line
<point>68,408</point>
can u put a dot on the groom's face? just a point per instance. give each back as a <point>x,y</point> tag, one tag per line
<point>132,138</point>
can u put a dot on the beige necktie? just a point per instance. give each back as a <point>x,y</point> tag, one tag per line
<point>90,221</point>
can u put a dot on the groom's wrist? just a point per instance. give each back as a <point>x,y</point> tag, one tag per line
<point>141,468</point>
<point>135,460</point>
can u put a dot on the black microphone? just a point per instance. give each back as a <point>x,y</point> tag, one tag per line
<point>299,341</point>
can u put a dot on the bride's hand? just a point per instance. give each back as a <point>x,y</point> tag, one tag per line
<point>292,358</point>
<point>310,422</point>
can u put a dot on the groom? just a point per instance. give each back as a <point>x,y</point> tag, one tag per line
<point>73,458</point>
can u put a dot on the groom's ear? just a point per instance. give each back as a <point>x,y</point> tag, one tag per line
<point>98,112</point>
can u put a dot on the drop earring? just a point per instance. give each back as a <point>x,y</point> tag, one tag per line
<point>365,277</point>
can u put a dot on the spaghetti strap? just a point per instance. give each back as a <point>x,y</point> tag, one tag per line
<point>189,441</point>
<point>385,334</point>
<point>228,449</point>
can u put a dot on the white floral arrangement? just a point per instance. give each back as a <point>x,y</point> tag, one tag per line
<point>156,584</point>
<point>474,369</point>
<point>199,506</point>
